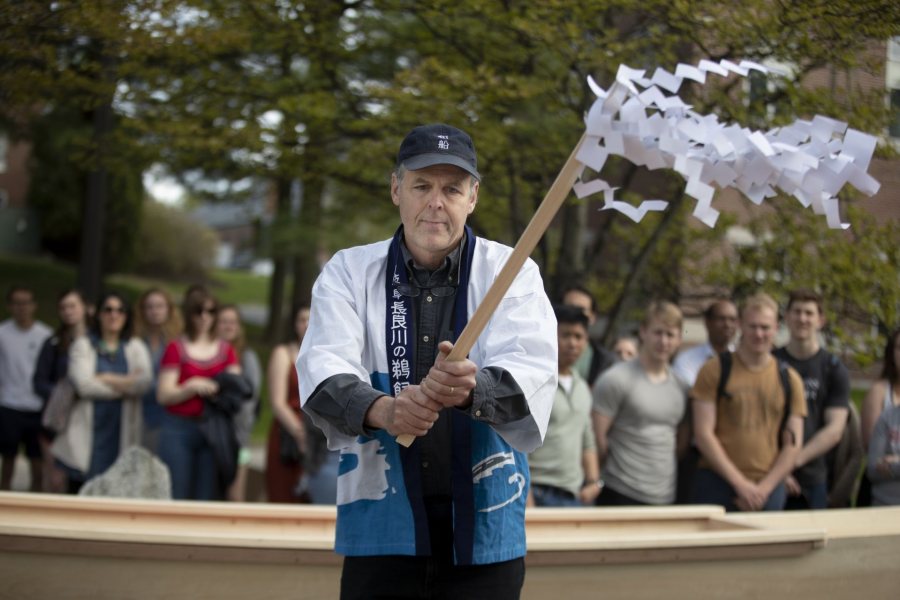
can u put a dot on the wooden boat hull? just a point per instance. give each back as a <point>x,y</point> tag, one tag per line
<point>69,547</point>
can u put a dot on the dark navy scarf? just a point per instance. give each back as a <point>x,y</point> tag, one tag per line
<point>400,337</point>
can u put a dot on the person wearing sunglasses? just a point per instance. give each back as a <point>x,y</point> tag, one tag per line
<point>110,370</point>
<point>186,374</point>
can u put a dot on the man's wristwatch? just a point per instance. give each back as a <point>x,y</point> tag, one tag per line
<point>598,482</point>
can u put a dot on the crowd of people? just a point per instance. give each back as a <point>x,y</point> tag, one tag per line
<point>179,381</point>
<point>733,421</point>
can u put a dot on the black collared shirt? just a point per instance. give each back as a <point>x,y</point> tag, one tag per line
<point>433,316</point>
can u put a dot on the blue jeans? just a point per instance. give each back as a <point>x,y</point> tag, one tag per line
<point>710,488</point>
<point>548,495</point>
<point>192,466</point>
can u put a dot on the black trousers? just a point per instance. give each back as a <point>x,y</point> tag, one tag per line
<point>422,577</point>
<point>430,577</point>
<point>610,497</point>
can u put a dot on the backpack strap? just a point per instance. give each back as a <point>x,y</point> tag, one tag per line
<point>724,374</point>
<point>785,378</point>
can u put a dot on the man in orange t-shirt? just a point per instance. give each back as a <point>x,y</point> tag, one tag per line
<point>746,454</point>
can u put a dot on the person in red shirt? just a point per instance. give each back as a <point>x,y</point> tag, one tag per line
<point>188,366</point>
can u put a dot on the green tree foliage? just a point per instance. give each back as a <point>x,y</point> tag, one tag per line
<point>514,73</point>
<point>62,63</point>
<point>173,246</point>
<point>314,97</point>
<point>58,188</point>
<point>265,94</point>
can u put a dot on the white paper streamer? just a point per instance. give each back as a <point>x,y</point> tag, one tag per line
<point>653,127</point>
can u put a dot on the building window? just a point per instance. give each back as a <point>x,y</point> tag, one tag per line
<point>894,126</point>
<point>894,49</point>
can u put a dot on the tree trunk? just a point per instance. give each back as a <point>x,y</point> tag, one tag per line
<point>90,267</point>
<point>306,267</point>
<point>281,260</point>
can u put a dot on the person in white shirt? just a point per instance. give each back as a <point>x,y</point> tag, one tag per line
<point>721,320</point>
<point>21,338</point>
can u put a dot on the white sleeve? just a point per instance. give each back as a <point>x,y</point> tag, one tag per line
<point>334,342</point>
<point>521,338</point>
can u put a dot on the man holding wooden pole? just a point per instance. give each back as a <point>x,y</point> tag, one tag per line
<point>412,337</point>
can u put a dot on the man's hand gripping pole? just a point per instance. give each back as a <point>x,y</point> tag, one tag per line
<point>541,220</point>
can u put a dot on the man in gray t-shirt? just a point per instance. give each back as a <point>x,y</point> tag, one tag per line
<point>638,413</point>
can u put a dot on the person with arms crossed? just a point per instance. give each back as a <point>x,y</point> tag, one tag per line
<point>827,389</point>
<point>564,471</point>
<point>110,369</point>
<point>750,437</point>
<point>639,410</point>
<point>447,513</point>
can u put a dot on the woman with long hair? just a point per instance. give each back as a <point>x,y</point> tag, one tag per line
<point>157,321</point>
<point>188,366</point>
<point>287,433</point>
<point>51,369</point>
<point>881,427</point>
<point>231,329</point>
<point>109,370</point>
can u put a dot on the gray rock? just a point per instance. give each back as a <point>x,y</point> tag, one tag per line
<point>136,474</point>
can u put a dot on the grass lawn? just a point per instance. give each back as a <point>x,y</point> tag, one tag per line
<point>49,277</point>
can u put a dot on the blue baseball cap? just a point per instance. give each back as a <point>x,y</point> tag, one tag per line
<point>438,144</point>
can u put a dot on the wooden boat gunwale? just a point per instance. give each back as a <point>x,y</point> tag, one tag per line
<point>108,549</point>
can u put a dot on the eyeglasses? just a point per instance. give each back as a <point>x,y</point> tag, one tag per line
<point>205,309</point>
<point>108,310</point>
<point>413,290</point>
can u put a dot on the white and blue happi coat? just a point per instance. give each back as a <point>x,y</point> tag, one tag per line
<point>380,506</point>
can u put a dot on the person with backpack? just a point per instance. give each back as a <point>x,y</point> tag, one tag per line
<point>748,410</point>
<point>827,389</point>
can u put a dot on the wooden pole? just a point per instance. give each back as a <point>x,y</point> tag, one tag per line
<point>541,220</point>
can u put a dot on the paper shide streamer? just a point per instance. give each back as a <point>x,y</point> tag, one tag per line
<point>809,160</point>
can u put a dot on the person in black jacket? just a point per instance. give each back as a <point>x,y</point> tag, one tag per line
<point>217,425</point>
<point>52,366</point>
